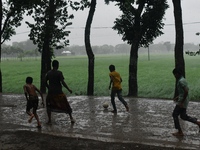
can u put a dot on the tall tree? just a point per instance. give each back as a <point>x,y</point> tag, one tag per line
<point>1,17</point>
<point>90,54</point>
<point>11,15</point>
<point>139,24</point>
<point>81,6</point>
<point>179,54</point>
<point>49,31</point>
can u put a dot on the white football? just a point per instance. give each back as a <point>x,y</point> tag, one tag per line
<point>105,105</point>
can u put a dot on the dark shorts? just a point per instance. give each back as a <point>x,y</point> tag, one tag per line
<point>32,103</point>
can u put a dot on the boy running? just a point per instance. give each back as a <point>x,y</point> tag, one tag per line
<point>32,100</point>
<point>182,101</point>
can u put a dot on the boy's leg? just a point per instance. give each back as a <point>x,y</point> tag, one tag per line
<point>175,115</point>
<point>194,120</point>
<point>71,118</point>
<point>28,108</point>
<point>113,101</point>
<point>49,116</point>
<point>31,117</point>
<point>119,95</point>
<point>69,109</point>
<point>185,117</point>
<point>36,117</point>
<point>29,112</point>
<point>48,107</point>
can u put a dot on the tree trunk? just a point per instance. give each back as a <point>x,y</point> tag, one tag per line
<point>90,87</point>
<point>45,65</point>
<point>133,86</point>
<point>179,55</point>
<point>46,56</point>
<point>133,64</point>
<point>43,71</point>
<point>0,81</point>
<point>1,17</point>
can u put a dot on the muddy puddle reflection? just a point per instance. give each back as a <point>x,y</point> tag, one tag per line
<point>148,121</point>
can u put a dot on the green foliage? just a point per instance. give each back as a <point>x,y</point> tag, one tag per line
<point>52,17</point>
<point>12,11</point>
<point>81,5</point>
<point>141,19</point>
<point>10,50</point>
<point>155,78</point>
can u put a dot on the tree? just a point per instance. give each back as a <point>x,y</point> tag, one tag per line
<point>11,12</point>
<point>179,57</point>
<point>140,23</point>
<point>82,5</point>
<point>90,54</point>
<point>49,31</point>
<point>168,45</point>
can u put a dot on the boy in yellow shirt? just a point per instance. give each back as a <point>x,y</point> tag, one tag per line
<point>115,82</point>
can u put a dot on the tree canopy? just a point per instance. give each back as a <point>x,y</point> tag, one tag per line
<point>139,24</point>
<point>145,14</point>
<point>11,16</point>
<point>56,25</point>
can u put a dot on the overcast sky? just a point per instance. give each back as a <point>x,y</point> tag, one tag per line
<point>102,33</point>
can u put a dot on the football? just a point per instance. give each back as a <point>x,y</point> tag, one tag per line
<point>105,105</point>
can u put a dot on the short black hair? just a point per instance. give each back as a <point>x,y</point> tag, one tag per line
<point>55,63</point>
<point>177,71</point>
<point>112,67</point>
<point>29,80</point>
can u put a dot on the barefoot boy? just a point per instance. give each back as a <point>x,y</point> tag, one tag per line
<point>32,100</point>
<point>56,100</point>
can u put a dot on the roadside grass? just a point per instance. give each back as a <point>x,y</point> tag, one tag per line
<point>155,78</point>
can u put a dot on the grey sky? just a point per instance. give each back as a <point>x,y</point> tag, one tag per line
<point>105,16</point>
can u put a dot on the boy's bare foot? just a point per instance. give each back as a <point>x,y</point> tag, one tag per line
<point>198,123</point>
<point>39,126</point>
<point>72,121</point>
<point>127,108</point>
<point>114,111</point>
<point>49,123</point>
<point>30,119</point>
<point>178,134</point>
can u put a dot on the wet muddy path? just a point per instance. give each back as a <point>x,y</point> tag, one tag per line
<point>149,121</point>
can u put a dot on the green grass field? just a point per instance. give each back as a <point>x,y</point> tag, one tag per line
<point>155,79</point>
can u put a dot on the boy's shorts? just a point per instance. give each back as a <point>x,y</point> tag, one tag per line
<point>32,103</point>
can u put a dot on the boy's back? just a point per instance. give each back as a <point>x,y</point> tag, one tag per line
<point>30,89</point>
<point>116,79</point>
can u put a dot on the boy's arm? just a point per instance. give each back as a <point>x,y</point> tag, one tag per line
<point>66,86</point>
<point>185,89</point>
<point>175,98</point>
<point>25,92</point>
<point>185,94</point>
<point>110,83</point>
<point>40,95</point>
<point>46,82</point>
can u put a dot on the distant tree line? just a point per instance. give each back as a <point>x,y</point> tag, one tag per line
<point>28,49</point>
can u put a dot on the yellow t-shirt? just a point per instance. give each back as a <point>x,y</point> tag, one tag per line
<point>116,80</point>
